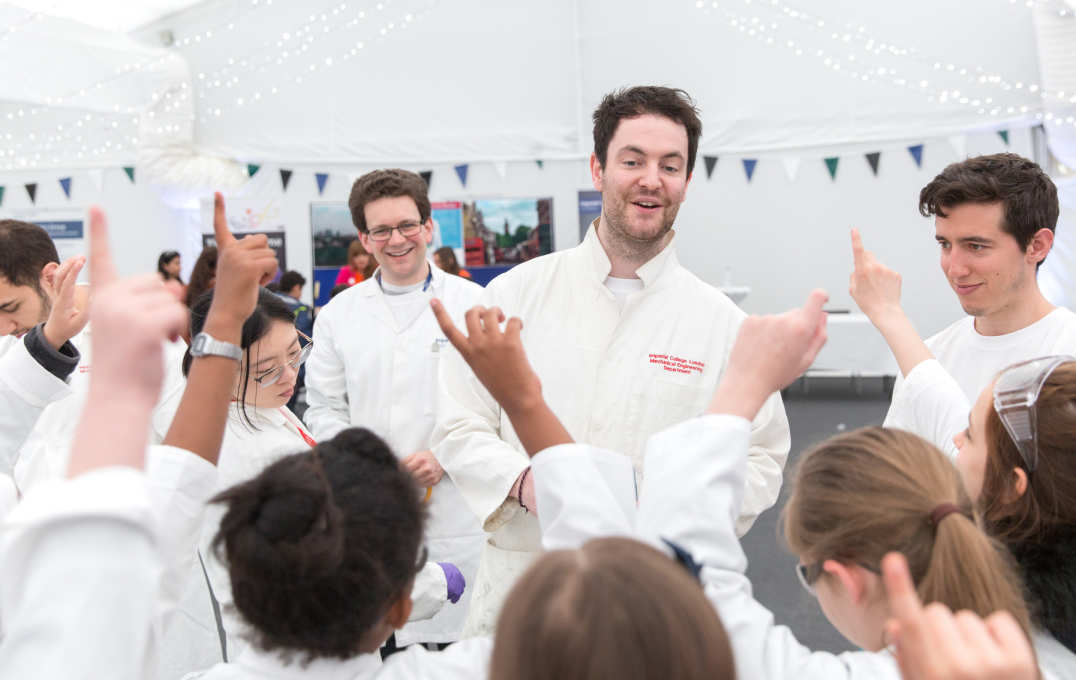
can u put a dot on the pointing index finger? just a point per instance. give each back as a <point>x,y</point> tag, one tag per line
<point>220,222</point>
<point>858,253</point>
<point>102,269</point>
<point>458,339</point>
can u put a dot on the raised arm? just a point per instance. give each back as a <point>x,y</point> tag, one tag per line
<point>467,440</point>
<point>242,265</point>
<point>131,320</point>
<point>876,289</point>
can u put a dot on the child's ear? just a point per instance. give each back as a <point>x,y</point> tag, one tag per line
<point>853,579</point>
<point>400,611</point>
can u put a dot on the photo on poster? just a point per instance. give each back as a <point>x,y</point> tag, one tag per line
<point>500,231</point>
<point>333,231</point>
<point>590,209</point>
<point>277,241</point>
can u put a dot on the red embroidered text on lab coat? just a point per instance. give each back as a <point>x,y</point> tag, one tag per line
<point>674,364</point>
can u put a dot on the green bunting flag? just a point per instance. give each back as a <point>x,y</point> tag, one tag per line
<point>541,164</point>
<point>1,195</point>
<point>252,169</point>
<point>1004,134</point>
<point>130,172</point>
<point>831,165</point>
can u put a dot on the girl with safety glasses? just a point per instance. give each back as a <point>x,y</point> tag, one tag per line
<point>1014,450</point>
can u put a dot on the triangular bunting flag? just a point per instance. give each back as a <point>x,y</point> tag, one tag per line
<point>873,159</point>
<point>97,178</point>
<point>960,145</point>
<point>1,195</point>
<point>65,184</point>
<point>130,172</point>
<point>461,172</point>
<point>917,153</point>
<point>541,164</point>
<point>1004,134</point>
<point>831,165</point>
<point>31,189</point>
<point>711,162</point>
<point>749,167</point>
<point>427,177</point>
<point>792,168</point>
<point>285,177</point>
<point>322,178</point>
<point>252,169</point>
<point>501,167</point>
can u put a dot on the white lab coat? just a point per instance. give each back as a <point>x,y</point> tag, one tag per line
<point>366,370</point>
<point>613,376</point>
<point>44,452</point>
<point>26,389</point>
<point>78,579</point>
<point>691,497</point>
<point>467,660</point>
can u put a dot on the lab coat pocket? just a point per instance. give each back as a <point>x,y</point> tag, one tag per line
<point>662,403</point>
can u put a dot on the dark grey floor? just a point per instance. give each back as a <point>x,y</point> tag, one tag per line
<point>829,406</point>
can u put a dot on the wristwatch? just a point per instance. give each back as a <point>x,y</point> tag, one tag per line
<point>205,344</point>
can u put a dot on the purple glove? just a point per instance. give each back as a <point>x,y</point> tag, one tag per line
<point>456,582</point>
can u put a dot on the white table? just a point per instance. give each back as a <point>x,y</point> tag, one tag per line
<point>854,349</point>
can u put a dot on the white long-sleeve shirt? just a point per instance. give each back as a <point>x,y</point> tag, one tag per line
<point>613,373</point>
<point>974,360</point>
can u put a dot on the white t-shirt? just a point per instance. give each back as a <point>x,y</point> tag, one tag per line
<point>974,360</point>
<point>622,288</point>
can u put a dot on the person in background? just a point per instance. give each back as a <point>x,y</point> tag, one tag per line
<point>445,259</point>
<point>203,276</point>
<point>169,266</point>
<point>360,265</point>
<point>337,289</point>
<point>289,289</point>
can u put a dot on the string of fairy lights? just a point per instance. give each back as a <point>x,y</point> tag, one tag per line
<point>301,51</point>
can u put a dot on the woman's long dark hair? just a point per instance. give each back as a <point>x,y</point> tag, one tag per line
<point>270,308</point>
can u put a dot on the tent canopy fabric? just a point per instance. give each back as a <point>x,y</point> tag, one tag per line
<point>463,80</point>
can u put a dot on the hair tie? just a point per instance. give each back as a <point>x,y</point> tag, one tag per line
<point>942,511</point>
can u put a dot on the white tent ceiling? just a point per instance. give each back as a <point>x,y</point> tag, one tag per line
<point>464,80</point>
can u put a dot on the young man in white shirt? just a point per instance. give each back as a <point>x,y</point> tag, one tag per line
<point>375,362</point>
<point>625,341</point>
<point>994,221</point>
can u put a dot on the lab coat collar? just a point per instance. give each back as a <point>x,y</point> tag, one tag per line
<point>270,665</point>
<point>380,308</point>
<point>437,282</point>
<point>650,272</point>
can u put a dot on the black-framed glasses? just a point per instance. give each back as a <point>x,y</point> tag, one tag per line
<point>272,375</point>
<point>808,574</point>
<point>408,228</point>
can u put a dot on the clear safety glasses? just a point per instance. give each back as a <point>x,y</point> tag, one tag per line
<point>1015,392</point>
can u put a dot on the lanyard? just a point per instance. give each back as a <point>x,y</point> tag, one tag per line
<point>302,433</point>
<point>425,286</point>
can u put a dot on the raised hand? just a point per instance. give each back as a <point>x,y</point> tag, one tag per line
<point>131,318</point>
<point>874,287</point>
<point>497,359</point>
<point>932,643</point>
<point>242,266</point>
<point>69,312</point>
<point>770,352</point>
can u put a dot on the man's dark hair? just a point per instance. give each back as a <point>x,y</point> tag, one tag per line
<point>290,279</point>
<point>25,249</point>
<point>387,184</point>
<point>1027,194</point>
<point>320,544</point>
<point>674,104</point>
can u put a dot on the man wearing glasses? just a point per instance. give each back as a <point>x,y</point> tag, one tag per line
<point>375,365</point>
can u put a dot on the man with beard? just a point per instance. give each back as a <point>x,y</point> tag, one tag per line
<point>625,341</point>
<point>44,338</point>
